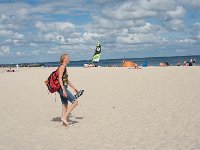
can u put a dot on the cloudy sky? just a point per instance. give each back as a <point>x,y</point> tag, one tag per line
<point>40,30</point>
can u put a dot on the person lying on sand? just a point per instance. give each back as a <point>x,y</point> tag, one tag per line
<point>164,64</point>
<point>65,94</point>
<point>135,67</point>
<point>10,70</point>
<point>89,65</point>
<point>186,63</point>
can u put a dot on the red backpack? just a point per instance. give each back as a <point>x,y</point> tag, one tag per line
<point>52,82</point>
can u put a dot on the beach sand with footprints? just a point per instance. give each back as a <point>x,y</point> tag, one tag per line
<point>152,108</point>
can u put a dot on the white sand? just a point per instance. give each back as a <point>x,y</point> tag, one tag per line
<point>121,109</point>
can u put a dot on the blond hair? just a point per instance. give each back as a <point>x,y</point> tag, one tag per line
<point>62,57</point>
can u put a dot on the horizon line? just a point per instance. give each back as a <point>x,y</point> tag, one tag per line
<point>104,59</point>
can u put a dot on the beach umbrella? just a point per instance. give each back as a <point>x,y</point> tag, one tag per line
<point>128,63</point>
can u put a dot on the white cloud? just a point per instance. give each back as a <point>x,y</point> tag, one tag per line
<point>197,26</point>
<point>41,26</point>
<point>33,45</point>
<point>21,53</point>
<point>4,50</point>
<point>176,24</point>
<point>54,50</point>
<point>156,5</point>
<point>36,52</point>
<point>128,11</point>
<point>23,13</point>
<point>7,23</point>
<point>198,36</point>
<point>179,12</point>
<point>11,8</point>
<point>195,4</point>
<point>139,38</point>
<point>51,37</point>
<point>55,26</point>
<point>55,31</point>
<point>3,17</point>
<point>187,41</point>
<point>11,34</point>
<point>42,8</point>
<point>106,1</point>
<point>10,41</point>
<point>6,33</point>
<point>18,36</point>
<point>146,28</point>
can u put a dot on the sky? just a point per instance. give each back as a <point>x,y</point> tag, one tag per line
<point>41,30</point>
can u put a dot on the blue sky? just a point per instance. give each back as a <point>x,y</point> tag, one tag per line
<point>41,30</point>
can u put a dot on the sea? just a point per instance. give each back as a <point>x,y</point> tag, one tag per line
<point>152,61</point>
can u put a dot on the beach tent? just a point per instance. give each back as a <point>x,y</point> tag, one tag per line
<point>128,63</point>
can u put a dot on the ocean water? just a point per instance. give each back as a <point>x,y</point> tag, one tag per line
<point>152,61</point>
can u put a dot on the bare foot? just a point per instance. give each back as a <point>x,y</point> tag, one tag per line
<point>64,124</point>
<point>64,121</point>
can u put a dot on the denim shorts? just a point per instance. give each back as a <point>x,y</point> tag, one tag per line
<point>70,97</point>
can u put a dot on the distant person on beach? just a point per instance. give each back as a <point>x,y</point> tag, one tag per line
<point>179,63</point>
<point>164,64</point>
<point>17,67</point>
<point>145,64</point>
<point>191,62</point>
<point>89,65</point>
<point>10,70</point>
<point>194,61</point>
<point>65,94</point>
<point>186,63</point>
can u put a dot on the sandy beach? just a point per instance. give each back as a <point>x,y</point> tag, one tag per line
<point>122,109</point>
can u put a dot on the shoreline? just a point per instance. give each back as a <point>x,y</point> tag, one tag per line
<point>21,69</point>
<point>152,61</point>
